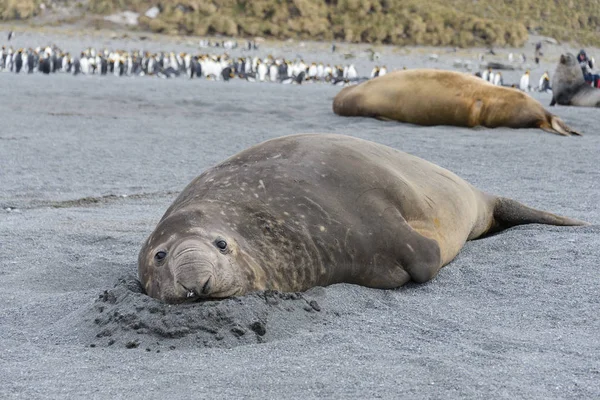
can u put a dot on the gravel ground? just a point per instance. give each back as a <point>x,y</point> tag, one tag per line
<point>88,165</point>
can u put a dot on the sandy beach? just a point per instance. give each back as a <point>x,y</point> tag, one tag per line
<point>89,164</point>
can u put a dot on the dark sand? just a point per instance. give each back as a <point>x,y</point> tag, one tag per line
<point>88,165</point>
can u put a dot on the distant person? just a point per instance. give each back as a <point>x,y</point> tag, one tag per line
<point>584,62</point>
<point>538,52</point>
<point>587,66</point>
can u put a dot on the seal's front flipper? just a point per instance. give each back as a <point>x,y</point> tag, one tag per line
<point>419,255</point>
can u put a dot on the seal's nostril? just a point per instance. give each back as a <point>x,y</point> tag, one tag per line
<point>206,287</point>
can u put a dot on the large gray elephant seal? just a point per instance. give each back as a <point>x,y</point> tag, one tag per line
<point>312,210</point>
<point>433,97</point>
<point>569,87</point>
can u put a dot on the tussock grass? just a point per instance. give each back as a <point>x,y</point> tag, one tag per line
<point>462,23</point>
<point>18,9</point>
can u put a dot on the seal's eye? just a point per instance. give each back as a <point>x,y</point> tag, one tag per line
<point>160,255</point>
<point>221,244</point>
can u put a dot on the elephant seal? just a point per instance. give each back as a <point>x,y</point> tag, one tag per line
<point>433,97</point>
<point>569,87</point>
<point>311,210</point>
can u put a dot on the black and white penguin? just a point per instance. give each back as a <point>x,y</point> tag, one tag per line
<point>273,72</point>
<point>103,66</point>
<point>250,76</point>
<point>328,73</point>
<point>121,68</point>
<point>238,66</point>
<point>18,61</point>
<point>25,58</point>
<point>8,62</point>
<point>152,65</point>
<point>76,69</point>
<point>486,74</point>
<point>524,82</point>
<point>498,81</point>
<point>11,35</point>
<point>300,77</point>
<point>191,71</point>
<point>339,81</point>
<point>55,64</point>
<point>45,65</point>
<point>227,73</point>
<point>198,69</point>
<point>137,66</point>
<point>375,72</point>
<point>30,62</point>
<point>261,71</point>
<point>283,70</point>
<point>544,85</point>
<point>84,64</point>
<point>352,73</point>
<point>312,71</point>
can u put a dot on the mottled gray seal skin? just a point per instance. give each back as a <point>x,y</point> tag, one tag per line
<point>569,87</point>
<point>433,97</point>
<point>317,209</point>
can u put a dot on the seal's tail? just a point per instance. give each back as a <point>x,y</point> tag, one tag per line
<point>508,212</point>
<point>554,124</point>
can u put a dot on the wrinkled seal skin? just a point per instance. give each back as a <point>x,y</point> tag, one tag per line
<point>432,97</point>
<point>569,87</point>
<point>312,210</point>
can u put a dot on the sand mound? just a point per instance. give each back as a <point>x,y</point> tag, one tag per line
<point>125,316</point>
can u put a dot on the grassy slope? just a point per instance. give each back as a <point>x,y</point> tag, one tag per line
<point>426,22</point>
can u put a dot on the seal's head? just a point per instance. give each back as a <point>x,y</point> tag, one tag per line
<point>568,73</point>
<point>186,258</point>
<point>569,60</point>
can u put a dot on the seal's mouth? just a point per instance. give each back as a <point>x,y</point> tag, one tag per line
<point>192,294</point>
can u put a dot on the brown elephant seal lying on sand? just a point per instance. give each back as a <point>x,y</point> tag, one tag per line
<point>569,87</point>
<point>433,97</point>
<point>312,210</point>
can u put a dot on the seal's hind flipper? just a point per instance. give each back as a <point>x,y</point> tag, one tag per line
<point>553,124</point>
<point>508,213</point>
